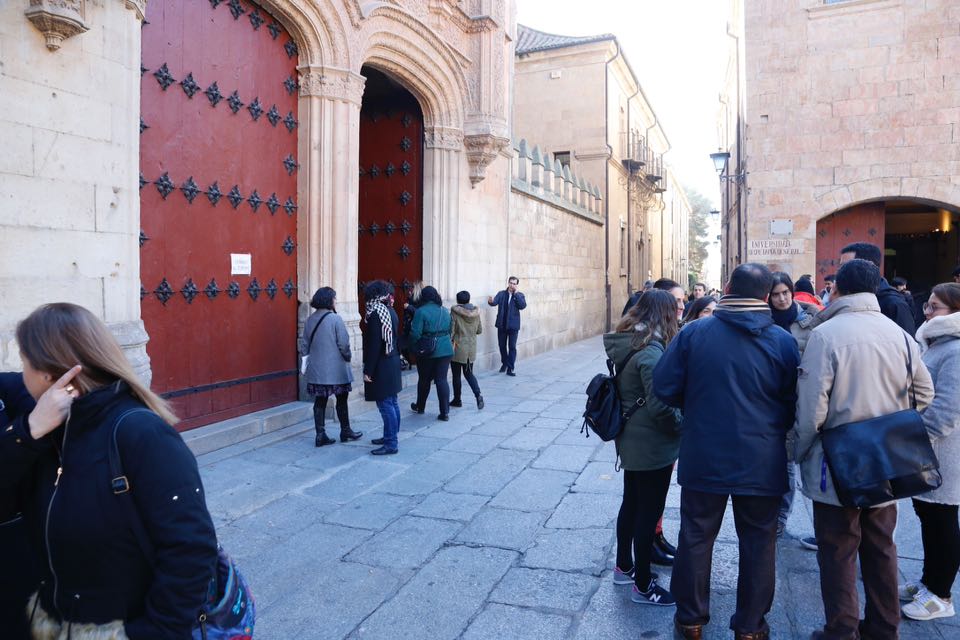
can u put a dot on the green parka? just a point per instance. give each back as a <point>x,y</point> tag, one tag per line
<point>651,438</point>
<point>466,328</point>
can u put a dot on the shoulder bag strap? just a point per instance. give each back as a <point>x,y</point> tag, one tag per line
<point>120,486</point>
<point>642,400</point>
<point>913,391</point>
<point>314,332</point>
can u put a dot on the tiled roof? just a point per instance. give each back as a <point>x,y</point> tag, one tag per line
<point>530,40</point>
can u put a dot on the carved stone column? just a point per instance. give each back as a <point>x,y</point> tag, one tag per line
<point>441,207</point>
<point>58,20</point>
<point>329,187</point>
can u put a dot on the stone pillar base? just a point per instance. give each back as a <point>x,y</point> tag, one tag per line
<point>133,339</point>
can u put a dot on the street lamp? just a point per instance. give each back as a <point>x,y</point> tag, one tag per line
<point>714,212</point>
<point>720,161</point>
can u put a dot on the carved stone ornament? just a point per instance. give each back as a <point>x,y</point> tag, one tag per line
<point>482,149</point>
<point>443,138</point>
<point>57,20</point>
<point>336,84</point>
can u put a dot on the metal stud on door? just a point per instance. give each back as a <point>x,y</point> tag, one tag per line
<point>210,70</point>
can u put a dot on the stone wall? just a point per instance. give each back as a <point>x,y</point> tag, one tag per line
<point>68,173</point>
<point>844,103</point>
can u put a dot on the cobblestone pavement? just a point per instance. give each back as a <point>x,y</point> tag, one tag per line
<point>497,524</point>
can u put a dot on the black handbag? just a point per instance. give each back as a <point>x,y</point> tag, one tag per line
<point>427,343</point>
<point>882,459</point>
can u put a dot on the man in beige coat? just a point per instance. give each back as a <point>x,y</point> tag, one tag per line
<point>854,368</point>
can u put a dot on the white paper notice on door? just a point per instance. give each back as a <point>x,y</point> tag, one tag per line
<point>240,264</point>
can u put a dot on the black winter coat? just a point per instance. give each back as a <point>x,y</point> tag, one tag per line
<point>18,576</point>
<point>93,569</point>
<point>383,368</point>
<point>894,305</point>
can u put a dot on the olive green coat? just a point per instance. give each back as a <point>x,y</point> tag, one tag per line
<point>466,327</point>
<point>651,438</point>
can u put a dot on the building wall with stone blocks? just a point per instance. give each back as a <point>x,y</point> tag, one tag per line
<point>559,103</point>
<point>844,103</point>
<point>68,172</point>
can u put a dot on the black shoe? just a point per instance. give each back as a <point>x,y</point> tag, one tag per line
<point>377,441</point>
<point>416,409</point>
<point>665,546</point>
<point>347,434</point>
<point>322,439</point>
<point>383,451</point>
<point>511,373</point>
<point>503,368</point>
<point>456,403</point>
<point>479,403</point>
<point>444,417</point>
<point>657,556</point>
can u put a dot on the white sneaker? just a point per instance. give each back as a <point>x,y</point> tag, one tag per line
<point>908,592</point>
<point>927,606</point>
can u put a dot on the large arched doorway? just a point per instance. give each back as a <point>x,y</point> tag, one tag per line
<point>920,239</point>
<point>218,200</point>
<point>390,243</point>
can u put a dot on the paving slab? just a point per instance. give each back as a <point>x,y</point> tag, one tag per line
<point>407,542</point>
<point>504,623</point>
<point>563,457</point>
<point>371,511</point>
<point>583,550</point>
<point>502,528</point>
<point>535,490</point>
<point>585,511</point>
<point>545,589</point>
<point>450,506</point>
<point>491,473</point>
<point>427,606</point>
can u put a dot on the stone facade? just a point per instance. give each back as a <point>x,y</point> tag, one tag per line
<point>580,100</point>
<point>842,103</point>
<point>69,206</point>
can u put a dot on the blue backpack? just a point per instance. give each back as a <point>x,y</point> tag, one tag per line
<point>604,414</point>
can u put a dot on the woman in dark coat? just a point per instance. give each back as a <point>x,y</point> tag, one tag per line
<point>433,321</point>
<point>97,581</point>
<point>18,578</point>
<point>381,363</point>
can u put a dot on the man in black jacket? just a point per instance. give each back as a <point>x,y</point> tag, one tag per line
<point>892,303</point>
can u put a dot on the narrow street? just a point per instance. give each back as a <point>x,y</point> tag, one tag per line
<point>498,524</point>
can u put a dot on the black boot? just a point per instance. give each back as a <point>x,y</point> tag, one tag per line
<point>347,434</point>
<point>479,402</point>
<point>456,402</point>
<point>319,419</point>
<point>322,438</point>
<point>665,546</point>
<point>657,556</point>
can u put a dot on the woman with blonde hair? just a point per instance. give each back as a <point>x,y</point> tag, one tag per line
<point>97,581</point>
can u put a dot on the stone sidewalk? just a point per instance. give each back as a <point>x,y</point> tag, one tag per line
<point>498,524</point>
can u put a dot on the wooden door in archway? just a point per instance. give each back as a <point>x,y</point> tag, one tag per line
<point>859,223</point>
<point>218,195</point>
<point>391,186</point>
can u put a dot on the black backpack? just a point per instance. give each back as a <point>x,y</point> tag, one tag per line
<point>604,414</point>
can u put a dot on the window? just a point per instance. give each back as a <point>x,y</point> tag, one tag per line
<point>623,248</point>
<point>563,157</point>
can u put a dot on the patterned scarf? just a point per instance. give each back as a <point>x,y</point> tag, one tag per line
<point>735,303</point>
<point>378,306</point>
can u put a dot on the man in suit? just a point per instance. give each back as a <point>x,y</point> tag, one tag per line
<point>509,303</point>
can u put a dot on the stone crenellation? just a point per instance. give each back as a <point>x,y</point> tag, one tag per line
<point>537,174</point>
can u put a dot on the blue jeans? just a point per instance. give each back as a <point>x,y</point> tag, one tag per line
<point>390,412</point>
<point>786,503</point>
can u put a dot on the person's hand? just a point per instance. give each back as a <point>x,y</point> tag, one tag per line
<point>54,405</point>
<point>489,299</point>
<point>367,378</point>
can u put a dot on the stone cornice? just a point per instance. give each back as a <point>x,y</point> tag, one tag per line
<point>139,7</point>
<point>57,20</point>
<point>482,150</point>
<point>332,83</point>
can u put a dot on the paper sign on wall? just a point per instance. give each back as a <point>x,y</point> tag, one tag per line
<point>240,264</point>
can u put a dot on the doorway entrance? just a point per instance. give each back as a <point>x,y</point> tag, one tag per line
<point>390,244</point>
<point>218,202</point>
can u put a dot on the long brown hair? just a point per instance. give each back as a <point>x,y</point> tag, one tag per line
<point>949,294</point>
<point>57,336</point>
<point>655,314</point>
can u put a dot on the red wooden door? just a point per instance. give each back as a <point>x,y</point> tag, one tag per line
<point>859,223</point>
<point>218,150</point>
<point>391,189</point>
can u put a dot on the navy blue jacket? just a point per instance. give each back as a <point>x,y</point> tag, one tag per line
<point>383,369</point>
<point>94,570</point>
<point>734,375</point>
<point>508,313</point>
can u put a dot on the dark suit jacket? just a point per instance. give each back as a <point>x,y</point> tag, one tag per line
<point>508,310</point>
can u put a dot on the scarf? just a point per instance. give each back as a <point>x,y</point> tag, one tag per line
<point>378,306</point>
<point>786,318</point>
<point>736,304</point>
